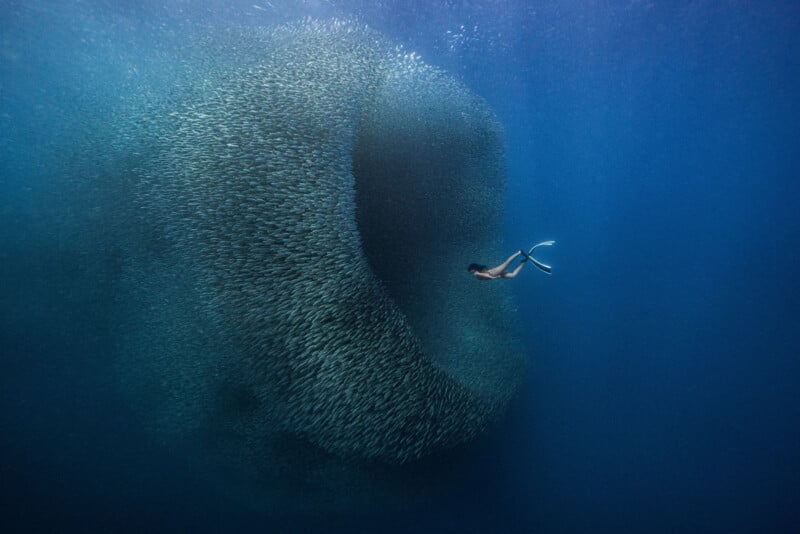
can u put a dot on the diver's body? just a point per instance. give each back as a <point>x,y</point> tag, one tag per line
<point>481,272</point>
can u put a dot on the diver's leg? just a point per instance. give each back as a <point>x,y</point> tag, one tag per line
<point>515,272</point>
<point>500,269</point>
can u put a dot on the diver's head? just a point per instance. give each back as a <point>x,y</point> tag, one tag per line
<point>476,267</point>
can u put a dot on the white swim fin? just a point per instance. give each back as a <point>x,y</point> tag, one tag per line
<point>541,266</point>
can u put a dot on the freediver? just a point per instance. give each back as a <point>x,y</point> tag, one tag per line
<point>482,272</point>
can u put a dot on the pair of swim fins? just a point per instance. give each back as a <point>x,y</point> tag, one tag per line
<point>539,265</point>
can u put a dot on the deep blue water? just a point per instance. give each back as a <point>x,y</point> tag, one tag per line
<point>658,143</point>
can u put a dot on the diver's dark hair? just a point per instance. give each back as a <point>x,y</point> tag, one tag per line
<point>476,267</point>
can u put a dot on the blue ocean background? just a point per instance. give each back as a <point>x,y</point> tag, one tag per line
<point>657,142</point>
